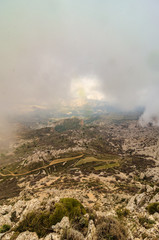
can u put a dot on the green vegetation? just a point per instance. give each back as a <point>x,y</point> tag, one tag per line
<point>111,229</point>
<point>4,228</point>
<point>38,222</point>
<point>25,149</point>
<point>153,207</point>
<point>108,161</point>
<point>74,207</point>
<point>145,222</point>
<point>122,212</point>
<point>41,222</point>
<point>68,124</point>
<point>107,166</point>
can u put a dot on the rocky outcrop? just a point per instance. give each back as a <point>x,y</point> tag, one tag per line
<point>27,236</point>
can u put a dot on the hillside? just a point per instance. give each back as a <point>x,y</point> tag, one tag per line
<point>82,179</point>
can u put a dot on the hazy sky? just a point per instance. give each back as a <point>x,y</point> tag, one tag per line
<point>53,50</point>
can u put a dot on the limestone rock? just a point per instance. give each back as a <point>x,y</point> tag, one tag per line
<point>52,236</point>
<point>27,236</point>
<point>5,219</point>
<point>155,198</point>
<point>91,234</point>
<point>5,209</point>
<point>142,176</point>
<point>7,236</point>
<point>156,216</point>
<point>32,205</point>
<point>149,189</point>
<point>19,207</point>
<point>61,225</point>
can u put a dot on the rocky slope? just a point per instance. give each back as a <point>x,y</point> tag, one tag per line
<point>116,179</point>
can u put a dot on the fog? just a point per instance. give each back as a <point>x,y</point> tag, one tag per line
<point>50,47</point>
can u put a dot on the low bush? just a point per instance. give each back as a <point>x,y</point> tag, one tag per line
<point>145,222</point>
<point>4,228</point>
<point>122,212</point>
<point>73,206</point>
<point>41,222</point>
<point>111,229</point>
<point>153,207</point>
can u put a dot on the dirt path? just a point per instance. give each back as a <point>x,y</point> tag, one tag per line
<point>34,170</point>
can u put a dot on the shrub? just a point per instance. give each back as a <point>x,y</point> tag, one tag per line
<point>68,124</point>
<point>72,234</point>
<point>153,207</point>
<point>122,212</point>
<point>58,213</point>
<point>74,207</point>
<point>110,228</point>
<point>35,222</point>
<point>145,222</point>
<point>4,228</point>
<point>41,222</point>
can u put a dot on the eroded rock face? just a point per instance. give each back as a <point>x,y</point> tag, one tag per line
<point>27,236</point>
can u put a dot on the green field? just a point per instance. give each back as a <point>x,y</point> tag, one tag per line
<point>108,161</point>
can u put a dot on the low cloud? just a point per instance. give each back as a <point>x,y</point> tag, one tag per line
<point>46,44</point>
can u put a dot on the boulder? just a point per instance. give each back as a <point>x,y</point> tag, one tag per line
<point>27,236</point>
<point>61,225</point>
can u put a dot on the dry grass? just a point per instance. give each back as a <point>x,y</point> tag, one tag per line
<point>111,229</point>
